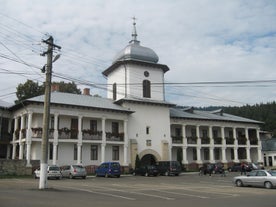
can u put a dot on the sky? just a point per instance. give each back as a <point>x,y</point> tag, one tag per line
<point>220,53</point>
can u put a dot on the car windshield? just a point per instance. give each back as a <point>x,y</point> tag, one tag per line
<point>115,165</point>
<point>54,168</point>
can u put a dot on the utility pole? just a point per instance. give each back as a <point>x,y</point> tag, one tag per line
<point>46,115</point>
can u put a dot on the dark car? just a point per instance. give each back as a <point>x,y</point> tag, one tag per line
<point>212,168</point>
<point>169,167</point>
<point>237,167</point>
<point>147,170</point>
<point>109,169</point>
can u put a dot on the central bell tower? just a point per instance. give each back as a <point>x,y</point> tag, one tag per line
<point>136,73</point>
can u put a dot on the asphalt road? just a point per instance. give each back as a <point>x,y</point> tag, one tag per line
<point>189,190</point>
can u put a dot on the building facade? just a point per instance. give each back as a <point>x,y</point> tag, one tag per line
<point>134,119</point>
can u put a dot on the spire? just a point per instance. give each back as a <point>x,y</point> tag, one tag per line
<point>134,32</point>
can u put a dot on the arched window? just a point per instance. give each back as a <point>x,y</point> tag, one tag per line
<point>114,91</point>
<point>146,89</point>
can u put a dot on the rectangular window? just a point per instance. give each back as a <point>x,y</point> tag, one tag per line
<point>52,122</point>
<point>147,130</point>
<point>51,151</point>
<point>217,153</point>
<point>204,133</point>
<point>177,132</point>
<point>215,134</point>
<point>148,142</point>
<point>115,153</point>
<point>193,132</point>
<point>94,152</point>
<point>206,154</point>
<point>75,152</point>
<point>194,154</point>
<point>93,125</point>
<point>115,128</point>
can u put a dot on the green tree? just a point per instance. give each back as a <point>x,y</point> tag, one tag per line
<point>28,90</point>
<point>31,89</point>
<point>137,162</point>
<point>68,87</point>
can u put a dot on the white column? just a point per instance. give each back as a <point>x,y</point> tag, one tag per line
<point>185,144</point>
<point>211,149</point>
<point>248,157</point>
<point>125,162</point>
<point>236,145</point>
<point>55,142</point>
<point>21,144</point>
<point>103,140</point>
<point>14,137</point>
<point>79,153</point>
<point>260,157</point>
<point>79,161</point>
<point>29,138</point>
<point>223,149</point>
<point>198,148</point>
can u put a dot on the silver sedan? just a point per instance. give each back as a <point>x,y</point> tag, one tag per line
<point>258,178</point>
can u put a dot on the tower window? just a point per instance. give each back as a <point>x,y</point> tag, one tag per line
<point>146,89</point>
<point>114,91</point>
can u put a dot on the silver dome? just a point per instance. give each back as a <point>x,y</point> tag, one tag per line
<point>134,51</point>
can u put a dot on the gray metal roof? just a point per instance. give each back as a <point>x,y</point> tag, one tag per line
<point>81,100</point>
<point>208,115</point>
<point>135,51</point>
<point>269,145</point>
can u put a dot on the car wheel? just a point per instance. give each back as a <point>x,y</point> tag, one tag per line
<point>118,176</point>
<point>229,169</point>
<point>167,173</point>
<point>268,185</point>
<point>71,176</point>
<point>106,175</point>
<point>84,177</point>
<point>146,174</point>
<point>239,183</point>
<point>134,173</point>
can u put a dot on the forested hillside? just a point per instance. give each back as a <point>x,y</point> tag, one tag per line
<point>261,112</point>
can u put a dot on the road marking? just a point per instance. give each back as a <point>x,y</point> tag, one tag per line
<point>185,194</point>
<point>138,193</point>
<point>101,193</point>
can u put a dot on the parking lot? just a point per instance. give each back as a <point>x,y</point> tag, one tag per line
<point>184,190</point>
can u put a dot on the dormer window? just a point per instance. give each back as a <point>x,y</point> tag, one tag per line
<point>146,89</point>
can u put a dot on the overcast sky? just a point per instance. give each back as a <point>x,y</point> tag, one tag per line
<point>223,50</point>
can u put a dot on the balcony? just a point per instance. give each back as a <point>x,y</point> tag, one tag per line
<point>205,140</point>
<point>241,141</point>
<point>88,134</point>
<point>114,136</point>
<point>229,140</point>
<point>177,139</point>
<point>191,140</point>
<point>218,140</point>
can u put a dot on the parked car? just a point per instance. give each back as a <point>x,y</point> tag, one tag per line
<point>237,167</point>
<point>53,171</point>
<point>73,171</point>
<point>258,178</point>
<point>212,168</point>
<point>109,169</point>
<point>169,167</point>
<point>147,170</point>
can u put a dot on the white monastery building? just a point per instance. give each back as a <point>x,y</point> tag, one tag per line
<point>134,119</point>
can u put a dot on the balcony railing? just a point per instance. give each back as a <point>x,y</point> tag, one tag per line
<point>218,140</point>
<point>177,139</point>
<point>229,140</point>
<point>191,140</point>
<point>114,136</point>
<point>205,140</point>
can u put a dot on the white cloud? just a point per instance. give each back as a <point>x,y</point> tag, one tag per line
<point>207,40</point>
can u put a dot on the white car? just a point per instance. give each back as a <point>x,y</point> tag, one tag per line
<point>53,171</point>
<point>258,178</point>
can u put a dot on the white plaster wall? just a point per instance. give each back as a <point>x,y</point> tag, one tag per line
<point>153,116</point>
<point>135,74</point>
